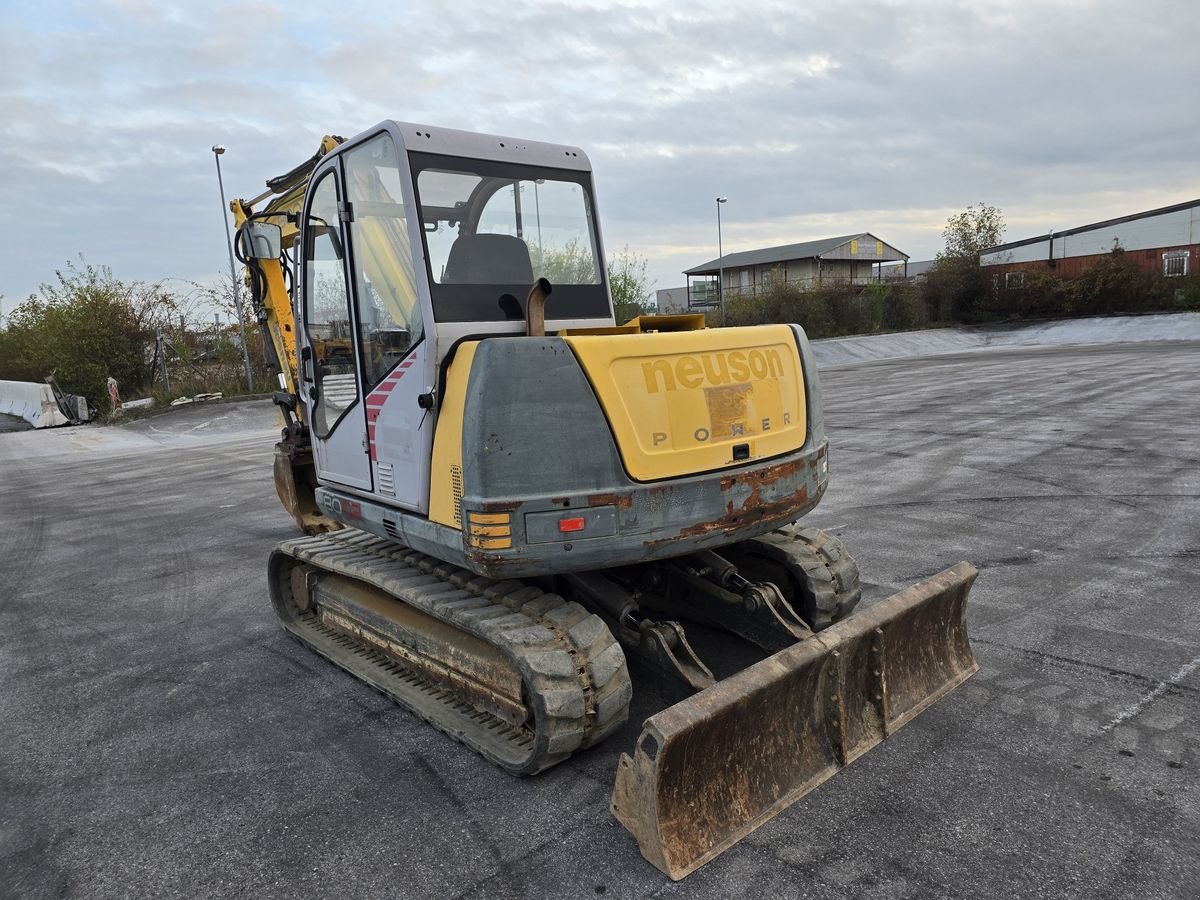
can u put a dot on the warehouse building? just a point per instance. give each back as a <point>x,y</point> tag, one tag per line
<point>1165,240</point>
<point>849,259</point>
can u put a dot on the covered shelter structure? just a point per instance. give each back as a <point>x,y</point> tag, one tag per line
<point>848,259</point>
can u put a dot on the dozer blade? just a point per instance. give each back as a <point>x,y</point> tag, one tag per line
<point>709,770</point>
<point>295,483</point>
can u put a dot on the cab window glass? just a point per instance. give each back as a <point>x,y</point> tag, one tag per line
<point>327,305</point>
<point>491,227</point>
<point>389,313</point>
<point>552,218</point>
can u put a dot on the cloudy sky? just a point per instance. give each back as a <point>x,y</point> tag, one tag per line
<point>814,119</point>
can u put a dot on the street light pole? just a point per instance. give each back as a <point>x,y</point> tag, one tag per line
<point>720,263</point>
<point>217,150</point>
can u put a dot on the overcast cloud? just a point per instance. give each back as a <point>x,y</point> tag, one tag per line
<point>814,119</point>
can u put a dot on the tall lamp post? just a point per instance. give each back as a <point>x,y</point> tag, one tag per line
<point>720,263</point>
<point>217,150</point>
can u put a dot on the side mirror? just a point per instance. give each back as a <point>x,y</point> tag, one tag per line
<point>264,240</point>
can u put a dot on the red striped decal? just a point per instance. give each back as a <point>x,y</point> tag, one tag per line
<point>378,398</point>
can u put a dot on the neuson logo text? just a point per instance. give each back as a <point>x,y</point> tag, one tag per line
<point>711,368</point>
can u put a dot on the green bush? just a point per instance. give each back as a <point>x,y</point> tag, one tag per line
<point>848,306</point>
<point>86,327</point>
<point>1044,296</point>
<point>1185,293</point>
<point>822,311</point>
<point>956,291</point>
<point>782,302</point>
<point>904,307</point>
<point>1115,284</point>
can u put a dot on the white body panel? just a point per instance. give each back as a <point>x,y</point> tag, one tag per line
<point>400,432</point>
<point>342,456</point>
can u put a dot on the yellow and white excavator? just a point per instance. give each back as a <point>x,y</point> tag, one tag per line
<point>506,494</point>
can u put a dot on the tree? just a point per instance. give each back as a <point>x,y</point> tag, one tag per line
<point>628,284</point>
<point>85,327</point>
<point>972,231</point>
<point>955,286</point>
<point>572,263</point>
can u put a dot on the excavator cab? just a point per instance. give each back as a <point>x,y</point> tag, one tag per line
<point>410,242</point>
<point>530,493</point>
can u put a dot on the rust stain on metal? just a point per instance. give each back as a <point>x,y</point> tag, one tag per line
<point>791,722</point>
<point>727,407</point>
<point>763,477</point>
<point>621,501</point>
<point>295,483</point>
<point>752,509</point>
<point>500,506</point>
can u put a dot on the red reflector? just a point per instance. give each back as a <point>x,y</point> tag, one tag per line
<point>566,525</point>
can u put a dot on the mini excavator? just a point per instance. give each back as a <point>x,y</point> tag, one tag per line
<point>506,495</point>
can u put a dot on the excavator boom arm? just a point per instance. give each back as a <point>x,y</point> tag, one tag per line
<point>268,284</point>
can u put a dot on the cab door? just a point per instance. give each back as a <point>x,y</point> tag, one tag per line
<point>329,370</point>
<point>397,369</point>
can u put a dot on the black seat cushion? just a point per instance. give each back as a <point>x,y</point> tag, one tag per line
<point>488,259</point>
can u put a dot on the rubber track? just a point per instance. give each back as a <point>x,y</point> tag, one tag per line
<point>575,678</point>
<point>817,560</point>
<point>832,572</point>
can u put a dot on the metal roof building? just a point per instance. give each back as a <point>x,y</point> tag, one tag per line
<point>1165,240</point>
<point>850,258</point>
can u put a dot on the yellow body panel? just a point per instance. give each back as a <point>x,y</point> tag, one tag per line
<point>490,543</point>
<point>445,489</point>
<point>643,324</point>
<point>491,530</point>
<point>673,322</point>
<point>681,402</point>
<point>478,518</point>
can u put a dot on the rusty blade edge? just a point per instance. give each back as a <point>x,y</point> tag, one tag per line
<point>729,692</point>
<point>636,775</point>
<point>812,784</point>
<point>900,721</point>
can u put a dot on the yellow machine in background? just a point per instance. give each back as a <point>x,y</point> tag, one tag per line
<point>521,495</point>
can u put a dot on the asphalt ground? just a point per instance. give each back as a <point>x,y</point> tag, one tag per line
<point>12,423</point>
<point>162,737</point>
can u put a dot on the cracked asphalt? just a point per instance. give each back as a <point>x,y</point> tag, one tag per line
<point>159,735</point>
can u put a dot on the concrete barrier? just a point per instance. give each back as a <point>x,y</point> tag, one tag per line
<point>1061,333</point>
<point>33,402</point>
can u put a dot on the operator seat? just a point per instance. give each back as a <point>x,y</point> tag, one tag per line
<point>488,259</point>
